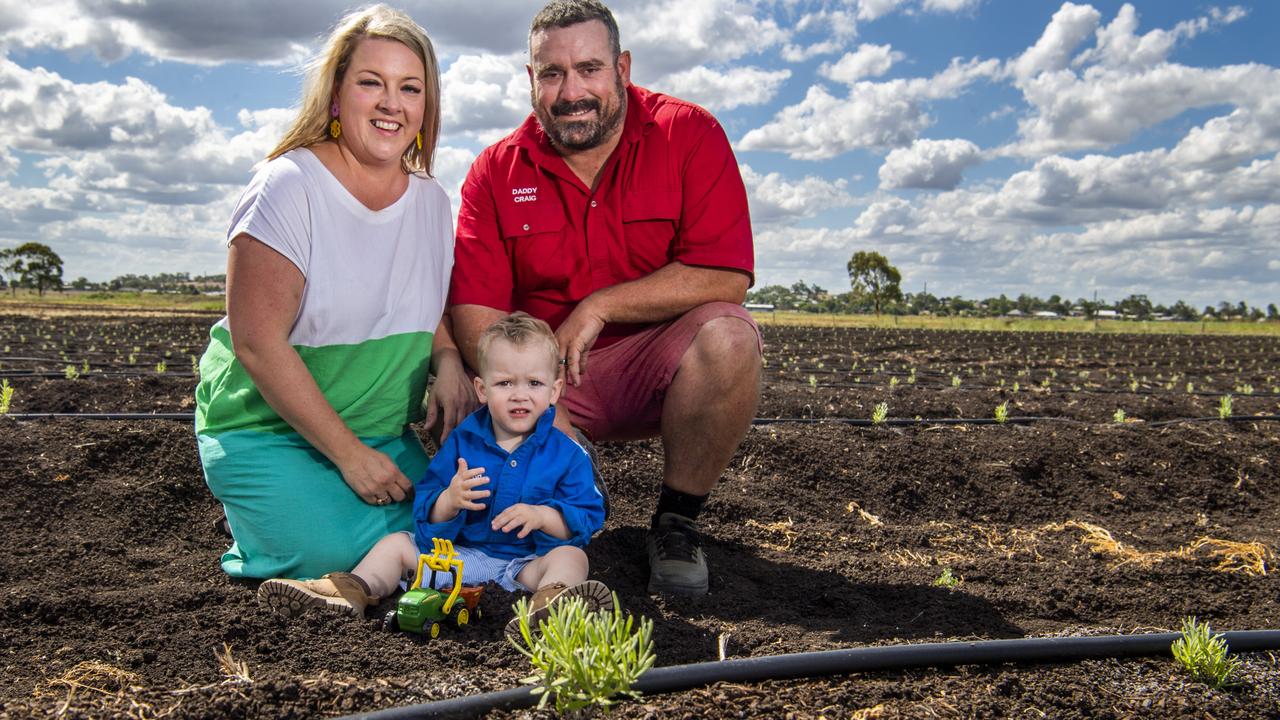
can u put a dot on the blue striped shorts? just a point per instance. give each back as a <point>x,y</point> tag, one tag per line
<point>478,568</point>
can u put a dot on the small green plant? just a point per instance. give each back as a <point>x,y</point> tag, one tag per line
<point>1224,407</point>
<point>1204,655</point>
<point>84,368</point>
<point>893,382</point>
<point>1002,413</point>
<point>1191,387</point>
<point>955,381</point>
<point>70,372</point>
<point>6,396</point>
<point>911,378</point>
<point>813,381</point>
<point>195,366</point>
<point>1244,389</point>
<point>880,413</point>
<point>583,658</point>
<point>1016,386</point>
<point>161,367</point>
<point>948,580</point>
<point>1118,416</point>
<point>133,358</point>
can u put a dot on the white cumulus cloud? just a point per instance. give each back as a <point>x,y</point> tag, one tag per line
<point>867,61</point>
<point>725,90</point>
<point>932,164</point>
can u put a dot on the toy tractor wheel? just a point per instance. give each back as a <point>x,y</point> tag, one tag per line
<point>390,621</point>
<point>434,630</point>
<point>476,614</point>
<point>461,615</point>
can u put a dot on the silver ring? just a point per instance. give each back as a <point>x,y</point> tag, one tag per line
<point>564,361</point>
<point>383,500</point>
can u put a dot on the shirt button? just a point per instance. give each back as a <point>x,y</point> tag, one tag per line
<point>513,463</point>
<point>593,203</point>
<point>526,226</point>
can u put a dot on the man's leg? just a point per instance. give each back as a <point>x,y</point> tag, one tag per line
<point>707,410</point>
<point>710,404</point>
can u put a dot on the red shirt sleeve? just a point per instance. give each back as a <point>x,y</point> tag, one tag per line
<point>715,227</point>
<point>481,267</point>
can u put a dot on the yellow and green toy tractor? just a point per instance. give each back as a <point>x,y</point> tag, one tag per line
<point>422,609</point>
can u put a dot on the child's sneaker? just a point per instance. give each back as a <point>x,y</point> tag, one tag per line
<point>341,593</point>
<point>595,593</point>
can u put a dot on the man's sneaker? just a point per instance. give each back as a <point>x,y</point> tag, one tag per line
<point>341,593</point>
<point>582,440</point>
<point>595,593</point>
<point>676,563</point>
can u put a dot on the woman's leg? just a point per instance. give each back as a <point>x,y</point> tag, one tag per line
<point>290,511</point>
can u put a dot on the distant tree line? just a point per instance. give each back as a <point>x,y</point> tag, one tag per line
<point>37,266</point>
<point>875,287</point>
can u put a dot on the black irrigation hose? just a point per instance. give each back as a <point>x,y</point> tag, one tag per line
<point>189,417</point>
<point>842,662</point>
<point>855,422</point>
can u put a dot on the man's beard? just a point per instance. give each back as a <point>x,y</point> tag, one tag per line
<point>582,134</point>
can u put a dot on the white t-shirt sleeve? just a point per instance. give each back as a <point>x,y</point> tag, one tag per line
<point>275,211</point>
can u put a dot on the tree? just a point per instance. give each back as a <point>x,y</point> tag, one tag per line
<point>35,264</point>
<point>1272,313</point>
<point>873,278</point>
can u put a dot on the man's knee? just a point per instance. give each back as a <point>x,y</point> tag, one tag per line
<point>728,340</point>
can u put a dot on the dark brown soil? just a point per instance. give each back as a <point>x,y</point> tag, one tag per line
<point>820,537</point>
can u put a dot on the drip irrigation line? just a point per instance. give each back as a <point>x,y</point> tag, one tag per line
<point>93,374</point>
<point>101,416</point>
<point>855,422</point>
<point>842,662</point>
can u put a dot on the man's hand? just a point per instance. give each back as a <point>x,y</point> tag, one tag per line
<point>375,477</point>
<point>526,517</point>
<point>450,399</point>
<point>462,493</point>
<point>576,335</point>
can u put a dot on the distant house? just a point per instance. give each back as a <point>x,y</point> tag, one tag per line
<point>1014,313</point>
<point>1046,315</point>
<point>1107,315</point>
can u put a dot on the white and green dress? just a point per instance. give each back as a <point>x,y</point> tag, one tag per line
<point>374,293</point>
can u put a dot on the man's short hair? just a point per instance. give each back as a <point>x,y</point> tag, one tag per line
<point>520,329</point>
<point>563,13</point>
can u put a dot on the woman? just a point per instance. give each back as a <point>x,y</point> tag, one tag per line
<point>339,262</point>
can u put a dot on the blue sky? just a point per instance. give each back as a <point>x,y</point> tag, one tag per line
<point>983,146</point>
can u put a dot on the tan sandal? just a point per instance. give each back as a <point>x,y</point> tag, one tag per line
<point>341,593</point>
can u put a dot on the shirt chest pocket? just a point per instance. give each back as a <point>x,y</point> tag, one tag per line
<point>650,219</point>
<point>541,256</point>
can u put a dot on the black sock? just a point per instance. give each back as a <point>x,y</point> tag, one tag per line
<point>674,501</point>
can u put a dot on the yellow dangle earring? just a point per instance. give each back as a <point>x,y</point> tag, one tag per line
<point>419,142</point>
<point>335,127</point>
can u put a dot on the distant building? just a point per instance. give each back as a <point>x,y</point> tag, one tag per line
<point>1046,315</point>
<point>1107,315</point>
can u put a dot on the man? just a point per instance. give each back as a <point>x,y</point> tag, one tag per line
<point>619,216</point>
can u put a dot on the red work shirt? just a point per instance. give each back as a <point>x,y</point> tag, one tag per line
<point>533,237</point>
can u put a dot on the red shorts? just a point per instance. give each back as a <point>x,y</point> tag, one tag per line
<point>621,394</point>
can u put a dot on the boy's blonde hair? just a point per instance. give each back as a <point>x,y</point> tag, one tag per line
<point>520,329</point>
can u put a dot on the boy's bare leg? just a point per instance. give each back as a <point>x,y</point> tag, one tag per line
<point>566,565</point>
<point>388,561</point>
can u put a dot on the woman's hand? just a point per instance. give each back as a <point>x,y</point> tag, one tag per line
<point>374,477</point>
<point>451,397</point>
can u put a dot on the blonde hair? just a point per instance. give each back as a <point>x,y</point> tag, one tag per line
<point>520,329</point>
<point>326,71</point>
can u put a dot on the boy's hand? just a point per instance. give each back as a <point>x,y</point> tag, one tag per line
<point>462,493</point>
<point>524,516</point>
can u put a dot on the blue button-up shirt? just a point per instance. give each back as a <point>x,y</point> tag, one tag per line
<point>548,468</point>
